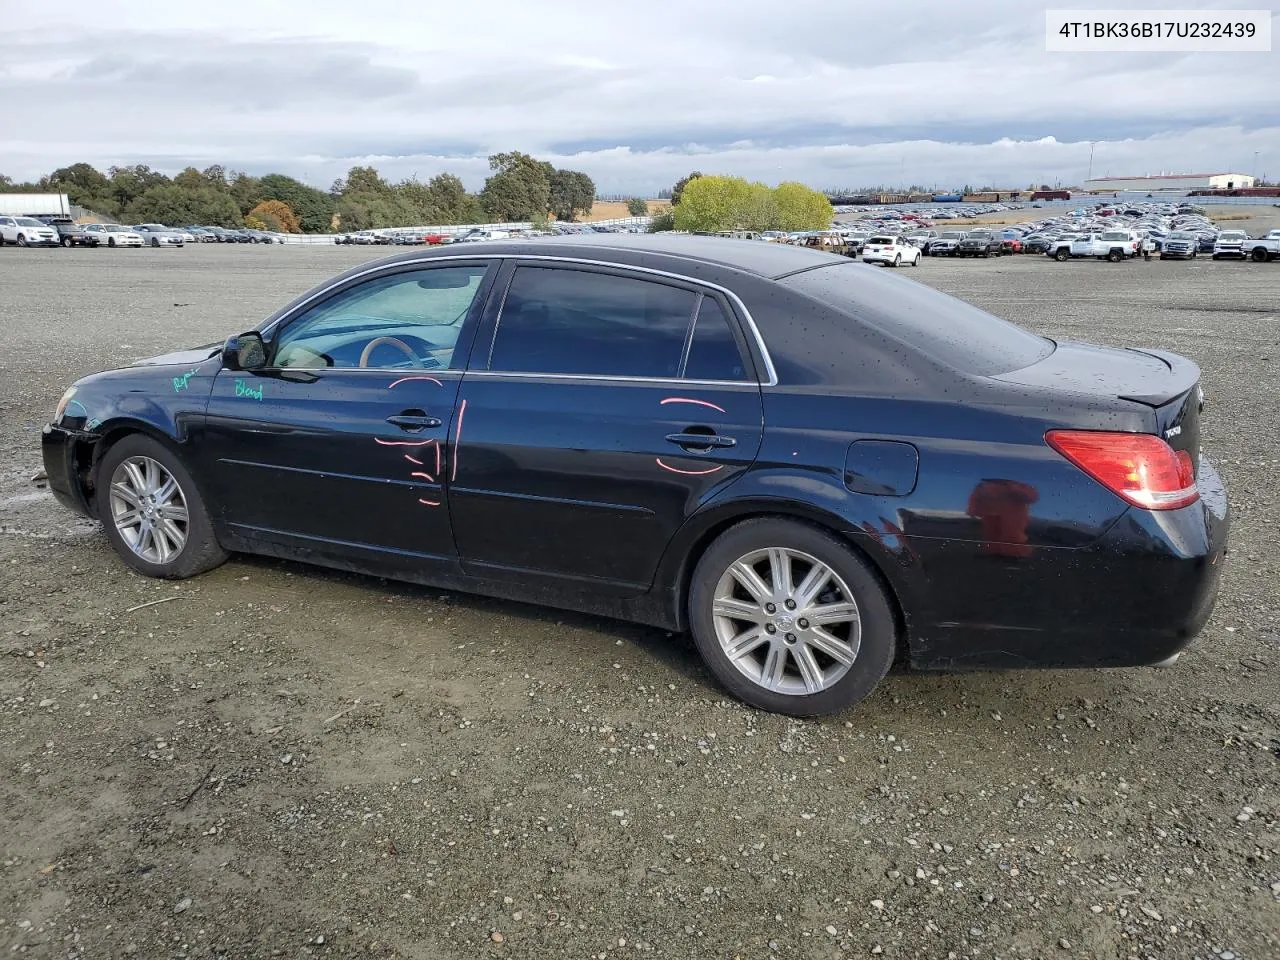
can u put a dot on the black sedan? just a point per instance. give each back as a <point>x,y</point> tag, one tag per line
<point>813,466</point>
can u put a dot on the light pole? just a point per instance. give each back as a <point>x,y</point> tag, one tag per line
<point>1092,143</point>
<point>1255,166</point>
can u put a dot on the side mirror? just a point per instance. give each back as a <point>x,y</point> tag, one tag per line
<point>244,352</point>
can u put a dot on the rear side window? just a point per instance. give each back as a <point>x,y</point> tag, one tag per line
<point>713,351</point>
<point>945,328</point>
<point>560,321</point>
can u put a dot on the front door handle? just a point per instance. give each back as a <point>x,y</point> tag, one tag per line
<point>700,441</point>
<point>413,420</point>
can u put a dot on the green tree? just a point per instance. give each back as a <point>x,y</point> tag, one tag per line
<point>450,197</point>
<point>245,190</point>
<point>572,193</point>
<point>662,221</point>
<point>801,208</point>
<point>129,183</point>
<point>711,203</point>
<point>80,182</point>
<point>365,180</point>
<point>637,207</point>
<point>313,207</point>
<point>191,179</point>
<point>678,190</point>
<point>216,174</point>
<point>519,188</point>
<point>174,205</point>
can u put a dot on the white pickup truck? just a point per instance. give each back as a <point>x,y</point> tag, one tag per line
<point>1262,249</point>
<point>1113,245</point>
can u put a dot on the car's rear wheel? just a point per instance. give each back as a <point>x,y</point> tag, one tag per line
<point>66,241</point>
<point>1115,256</point>
<point>152,512</point>
<point>897,259</point>
<point>1062,255</point>
<point>1260,255</point>
<point>789,619</point>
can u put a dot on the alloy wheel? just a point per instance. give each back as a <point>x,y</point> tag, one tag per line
<point>786,621</point>
<point>148,509</point>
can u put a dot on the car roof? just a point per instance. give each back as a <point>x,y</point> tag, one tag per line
<point>770,260</point>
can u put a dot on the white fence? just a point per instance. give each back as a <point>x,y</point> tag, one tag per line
<point>452,230</point>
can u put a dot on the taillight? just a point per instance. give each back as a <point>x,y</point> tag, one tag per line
<point>1139,467</point>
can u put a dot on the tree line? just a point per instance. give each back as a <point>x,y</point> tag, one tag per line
<point>519,188</point>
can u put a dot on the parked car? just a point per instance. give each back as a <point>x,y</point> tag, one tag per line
<point>71,234</point>
<point>1230,244</point>
<point>810,465</point>
<point>201,234</point>
<point>1179,245</point>
<point>115,235</point>
<point>923,239</point>
<point>27,232</point>
<point>891,251</point>
<point>1010,242</point>
<point>1264,248</point>
<point>979,243</point>
<point>158,235</point>
<point>945,245</point>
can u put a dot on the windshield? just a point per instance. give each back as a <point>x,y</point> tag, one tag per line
<point>1181,236</point>
<point>115,228</point>
<point>1115,236</point>
<point>888,240</point>
<point>1231,235</point>
<point>952,235</point>
<point>29,222</point>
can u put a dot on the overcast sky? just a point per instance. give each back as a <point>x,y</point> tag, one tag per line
<point>835,93</point>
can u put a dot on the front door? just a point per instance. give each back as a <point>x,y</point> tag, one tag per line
<point>339,445</point>
<point>600,410</point>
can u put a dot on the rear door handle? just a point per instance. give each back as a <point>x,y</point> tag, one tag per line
<point>413,421</point>
<point>704,441</point>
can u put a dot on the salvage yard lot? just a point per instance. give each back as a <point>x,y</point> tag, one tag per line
<point>285,761</point>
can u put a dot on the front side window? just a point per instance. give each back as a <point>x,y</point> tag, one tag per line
<point>562,321</point>
<point>403,321</point>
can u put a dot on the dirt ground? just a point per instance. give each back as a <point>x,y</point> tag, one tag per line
<point>280,761</point>
<point>616,210</point>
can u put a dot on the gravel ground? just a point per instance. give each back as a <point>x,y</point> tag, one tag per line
<point>291,762</point>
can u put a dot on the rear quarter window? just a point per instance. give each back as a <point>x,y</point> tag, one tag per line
<point>950,331</point>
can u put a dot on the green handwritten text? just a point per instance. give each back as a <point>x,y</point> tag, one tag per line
<point>181,383</point>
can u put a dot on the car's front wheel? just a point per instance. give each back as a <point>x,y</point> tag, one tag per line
<point>66,241</point>
<point>790,619</point>
<point>152,512</point>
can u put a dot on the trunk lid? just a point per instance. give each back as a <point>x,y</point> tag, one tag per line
<point>1166,382</point>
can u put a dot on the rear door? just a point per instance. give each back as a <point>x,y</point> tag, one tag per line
<point>339,446</point>
<point>601,408</point>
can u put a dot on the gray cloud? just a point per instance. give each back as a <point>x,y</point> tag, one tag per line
<point>833,94</point>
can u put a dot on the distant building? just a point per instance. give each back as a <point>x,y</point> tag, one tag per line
<point>1171,181</point>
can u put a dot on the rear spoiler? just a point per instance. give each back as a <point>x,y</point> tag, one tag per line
<point>1184,375</point>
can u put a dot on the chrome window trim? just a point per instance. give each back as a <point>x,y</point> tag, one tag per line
<point>771,374</point>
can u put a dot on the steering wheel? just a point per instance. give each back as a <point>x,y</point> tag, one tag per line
<point>390,341</point>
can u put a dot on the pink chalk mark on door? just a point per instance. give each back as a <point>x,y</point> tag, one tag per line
<point>429,503</point>
<point>700,403</point>
<point>407,379</point>
<point>457,440</point>
<point>425,476</point>
<point>402,443</point>
<point>413,459</point>
<point>689,473</point>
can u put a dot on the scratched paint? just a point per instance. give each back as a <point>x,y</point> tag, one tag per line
<point>407,379</point>
<point>243,389</point>
<point>689,473</point>
<point>181,383</point>
<point>700,403</point>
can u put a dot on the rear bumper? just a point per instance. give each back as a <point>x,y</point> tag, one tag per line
<point>1137,596</point>
<point>61,450</point>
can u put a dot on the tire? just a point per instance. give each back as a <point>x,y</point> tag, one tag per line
<point>838,684</point>
<point>1115,256</point>
<point>1062,255</point>
<point>111,241</point>
<point>199,549</point>
<point>22,239</point>
<point>155,241</point>
<point>1194,254</point>
<point>66,242</point>
<point>897,260</point>
<point>1260,255</point>
<point>1163,257</point>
